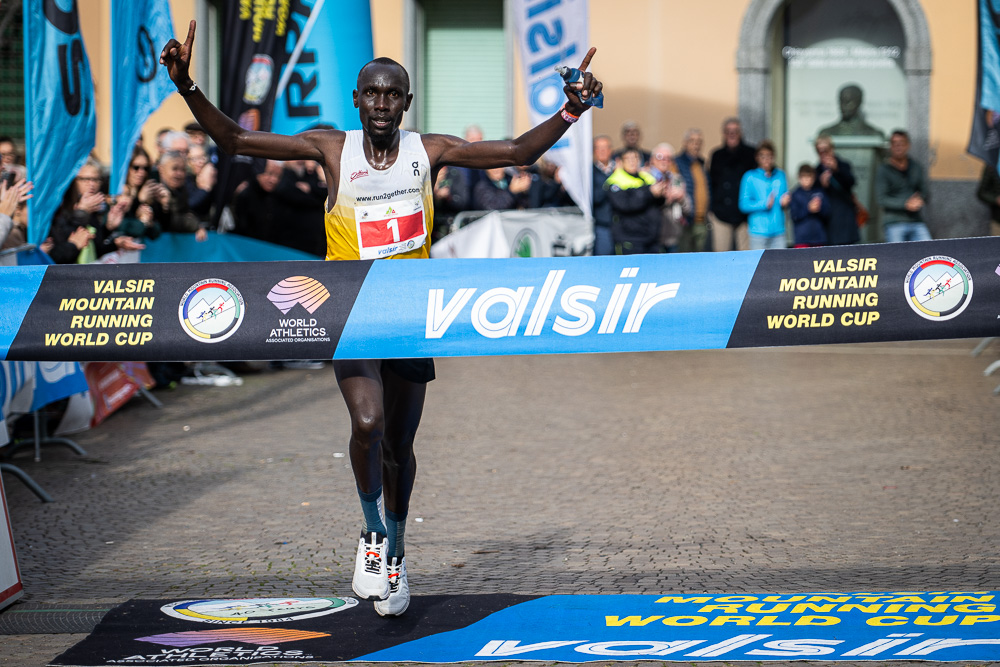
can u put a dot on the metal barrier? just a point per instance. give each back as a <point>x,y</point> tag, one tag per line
<point>8,257</point>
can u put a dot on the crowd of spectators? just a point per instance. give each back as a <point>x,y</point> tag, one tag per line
<point>644,201</point>
<point>739,199</point>
<point>180,192</point>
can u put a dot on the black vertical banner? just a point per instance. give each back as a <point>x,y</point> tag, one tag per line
<point>253,55</point>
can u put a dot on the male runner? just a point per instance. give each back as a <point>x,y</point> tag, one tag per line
<point>369,171</point>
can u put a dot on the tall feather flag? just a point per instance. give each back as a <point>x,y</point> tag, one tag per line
<point>984,141</point>
<point>60,120</point>
<point>139,29</point>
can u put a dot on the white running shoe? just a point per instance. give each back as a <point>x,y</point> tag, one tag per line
<point>371,579</point>
<point>399,590</point>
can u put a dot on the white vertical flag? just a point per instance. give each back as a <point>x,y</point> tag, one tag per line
<point>551,33</point>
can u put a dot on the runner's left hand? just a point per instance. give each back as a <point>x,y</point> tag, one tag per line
<point>588,86</point>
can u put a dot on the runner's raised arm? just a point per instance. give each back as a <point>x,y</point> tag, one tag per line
<point>525,149</point>
<point>229,136</point>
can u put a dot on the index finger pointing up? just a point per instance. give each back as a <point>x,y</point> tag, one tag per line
<point>190,38</point>
<point>587,58</point>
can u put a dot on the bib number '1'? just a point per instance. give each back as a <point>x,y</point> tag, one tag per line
<point>390,229</point>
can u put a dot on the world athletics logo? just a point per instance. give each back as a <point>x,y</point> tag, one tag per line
<point>211,310</point>
<point>256,610</point>
<point>938,288</point>
<point>308,292</point>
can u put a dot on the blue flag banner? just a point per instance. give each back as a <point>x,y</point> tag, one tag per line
<point>56,380</point>
<point>15,376</point>
<point>60,121</point>
<point>328,42</point>
<point>989,28</point>
<point>139,29</point>
<point>984,138</point>
<point>217,248</point>
<point>33,257</point>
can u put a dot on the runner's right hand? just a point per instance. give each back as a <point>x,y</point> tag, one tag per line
<point>176,57</point>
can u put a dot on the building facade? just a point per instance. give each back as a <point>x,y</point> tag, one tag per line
<point>781,66</point>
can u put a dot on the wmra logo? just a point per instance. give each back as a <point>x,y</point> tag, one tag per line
<point>574,300</point>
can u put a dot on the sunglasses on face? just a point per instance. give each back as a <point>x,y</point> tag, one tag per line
<point>139,167</point>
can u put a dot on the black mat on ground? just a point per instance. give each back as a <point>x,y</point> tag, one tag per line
<point>28,618</point>
<point>139,632</point>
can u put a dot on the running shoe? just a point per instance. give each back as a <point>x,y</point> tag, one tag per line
<point>399,590</point>
<point>371,580</point>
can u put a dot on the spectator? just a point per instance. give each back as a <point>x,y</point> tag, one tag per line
<point>472,177</point>
<point>764,196</point>
<point>636,199</point>
<point>810,210</point>
<point>631,136</point>
<point>180,219</point>
<point>303,190</point>
<point>79,234</point>
<point>836,177</point>
<point>10,159</point>
<point>160,134</point>
<point>196,133</point>
<point>545,190</point>
<point>691,165</point>
<point>175,142</point>
<point>676,206</point>
<point>901,191</point>
<point>257,210</point>
<point>201,181</point>
<point>136,222</point>
<point>729,162</point>
<point>169,141</point>
<point>451,197</point>
<point>473,133</point>
<point>989,193</point>
<point>13,224</point>
<point>501,191</point>
<point>144,191</point>
<point>604,166</point>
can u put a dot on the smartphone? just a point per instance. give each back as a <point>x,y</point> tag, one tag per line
<point>8,178</point>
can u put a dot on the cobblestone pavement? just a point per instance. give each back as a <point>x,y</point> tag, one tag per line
<point>861,467</point>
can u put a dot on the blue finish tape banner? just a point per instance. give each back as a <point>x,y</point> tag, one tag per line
<point>830,626</point>
<point>366,309</point>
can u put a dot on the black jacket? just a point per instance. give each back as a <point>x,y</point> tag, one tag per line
<point>724,175</point>
<point>843,227</point>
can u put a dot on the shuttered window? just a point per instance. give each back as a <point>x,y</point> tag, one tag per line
<point>11,72</point>
<point>465,65</point>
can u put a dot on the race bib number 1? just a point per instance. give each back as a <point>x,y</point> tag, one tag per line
<point>385,230</point>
